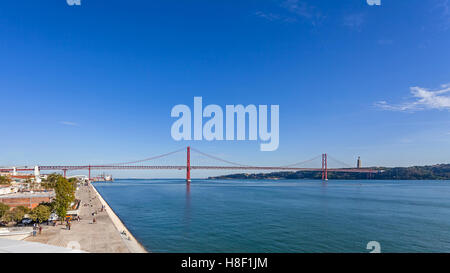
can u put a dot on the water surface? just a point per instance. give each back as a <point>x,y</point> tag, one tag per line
<point>283,215</point>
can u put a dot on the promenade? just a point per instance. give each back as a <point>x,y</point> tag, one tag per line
<point>101,236</point>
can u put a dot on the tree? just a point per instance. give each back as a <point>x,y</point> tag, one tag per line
<point>14,215</point>
<point>73,181</point>
<point>23,209</point>
<point>4,180</point>
<point>40,213</point>
<point>65,195</point>
<point>50,182</point>
<point>3,209</point>
<point>8,217</point>
<point>51,205</point>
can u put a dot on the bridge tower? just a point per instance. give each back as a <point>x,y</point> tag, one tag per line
<point>324,167</point>
<point>188,165</point>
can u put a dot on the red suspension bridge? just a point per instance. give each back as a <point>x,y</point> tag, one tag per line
<point>131,165</point>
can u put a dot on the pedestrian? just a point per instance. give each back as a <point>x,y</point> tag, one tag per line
<point>40,229</point>
<point>93,220</point>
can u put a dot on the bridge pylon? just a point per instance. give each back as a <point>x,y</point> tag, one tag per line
<point>324,167</point>
<point>188,165</point>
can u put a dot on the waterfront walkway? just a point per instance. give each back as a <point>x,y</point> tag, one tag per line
<point>101,236</point>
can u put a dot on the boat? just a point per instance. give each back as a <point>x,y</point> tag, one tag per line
<point>103,178</point>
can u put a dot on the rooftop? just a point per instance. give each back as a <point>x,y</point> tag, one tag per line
<point>29,194</point>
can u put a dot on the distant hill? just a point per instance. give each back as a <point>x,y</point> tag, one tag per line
<point>434,172</point>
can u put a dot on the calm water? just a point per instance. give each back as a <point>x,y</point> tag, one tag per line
<point>283,216</point>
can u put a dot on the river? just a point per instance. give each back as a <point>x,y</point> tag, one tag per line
<point>283,215</point>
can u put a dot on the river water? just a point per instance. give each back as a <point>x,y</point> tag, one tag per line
<point>283,215</point>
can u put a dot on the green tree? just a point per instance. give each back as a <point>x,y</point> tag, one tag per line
<point>51,205</point>
<point>3,209</point>
<point>50,182</point>
<point>23,209</point>
<point>73,181</point>
<point>8,217</point>
<point>14,215</point>
<point>4,180</point>
<point>40,213</point>
<point>65,194</point>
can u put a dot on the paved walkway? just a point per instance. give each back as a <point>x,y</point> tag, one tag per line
<point>101,236</point>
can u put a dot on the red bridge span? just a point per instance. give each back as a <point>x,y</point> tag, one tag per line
<point>188,167</point>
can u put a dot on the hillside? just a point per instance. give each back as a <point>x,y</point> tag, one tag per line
<point>434,172</point>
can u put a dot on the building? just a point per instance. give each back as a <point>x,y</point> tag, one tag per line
<point>27,199</point>
<point>13,173</point>
<point>7,189</point>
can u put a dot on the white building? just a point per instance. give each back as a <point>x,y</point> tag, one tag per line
<point>7,190</point>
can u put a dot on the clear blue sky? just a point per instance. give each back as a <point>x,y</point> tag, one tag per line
<point>95,83</point>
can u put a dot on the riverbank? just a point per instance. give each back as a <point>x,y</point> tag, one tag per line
<point>433,172</point>
<point>102,236</point>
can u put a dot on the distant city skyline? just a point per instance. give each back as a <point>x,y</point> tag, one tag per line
<point>95,83</point>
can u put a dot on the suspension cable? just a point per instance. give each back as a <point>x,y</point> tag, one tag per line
<point>340,162</point>
<point>220,159</point>
<point>147,159</point>
<point>302,162</point>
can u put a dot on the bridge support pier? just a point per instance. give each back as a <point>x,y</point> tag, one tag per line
<point>188,165</point>
<point>37,174</point>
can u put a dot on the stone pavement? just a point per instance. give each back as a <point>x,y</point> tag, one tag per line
<point>101,236</point>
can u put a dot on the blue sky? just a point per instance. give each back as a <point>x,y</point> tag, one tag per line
<point>96,83</point>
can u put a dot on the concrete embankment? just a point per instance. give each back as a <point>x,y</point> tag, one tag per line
<point>133,245</point>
